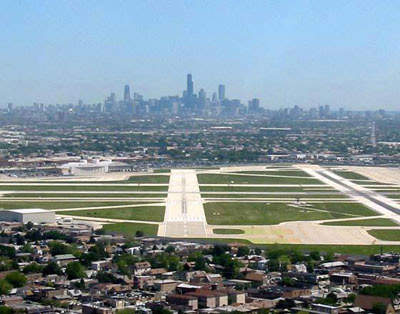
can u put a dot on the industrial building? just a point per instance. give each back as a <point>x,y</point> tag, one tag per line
<point>94,167</point>
<point>34,215</point>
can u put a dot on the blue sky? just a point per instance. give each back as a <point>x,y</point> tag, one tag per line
<point>341,53</point>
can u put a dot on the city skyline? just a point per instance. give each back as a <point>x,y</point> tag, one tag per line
<point>285,53</point>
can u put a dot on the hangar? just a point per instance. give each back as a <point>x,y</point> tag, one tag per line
<point>35,215</point>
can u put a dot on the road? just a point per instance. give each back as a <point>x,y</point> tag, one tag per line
<point>184,212</point>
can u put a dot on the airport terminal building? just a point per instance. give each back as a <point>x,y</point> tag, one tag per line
<point>34,215</point>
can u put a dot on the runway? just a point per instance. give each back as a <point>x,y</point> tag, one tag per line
<point>381,204</point>
<point>184,212</point>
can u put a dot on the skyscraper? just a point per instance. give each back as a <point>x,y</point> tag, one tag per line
<point>189,86</point>
<point>254,106</point>
<point>127,94</point>
<point>373,134</point>
<point>221,92</point>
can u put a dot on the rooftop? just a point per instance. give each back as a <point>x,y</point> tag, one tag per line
<point>29,210</point>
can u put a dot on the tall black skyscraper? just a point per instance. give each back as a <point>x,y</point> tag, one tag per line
<point>189,86</point>
<point>221,92</point>
<point>127,94</point>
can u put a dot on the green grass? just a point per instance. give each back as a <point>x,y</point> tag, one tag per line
<point>211,178</point>
<point>74,188</point>
<point>386,235</point>
<point>58,205</point>
<point>299,196</point>
<point>228,231</point>
<point>224,213</point>
<point>145,213</point>
<point>84,195</point>
<point>162,171</point>
<point>291,173</point>
<point>395,196</point>
<point>350,175</point>
<point>376,222</point>
<point>149,179</point>
<point>130,229</point>
<point>261,189</point>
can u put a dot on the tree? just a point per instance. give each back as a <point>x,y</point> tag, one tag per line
<point>170,249</point>
<point>139,234</point>
<point>33,268</point>
<point>315,255</point>
<point>243,251</point>
<point>7,251</point>
<point>379,308</point>
<point>6,310</point>
<point>75,270</point>
<point>16,279</point>
<point>51,268</point>
<point>29,225</point>
<point>5,286</point>
<point>57,248</point>
<point>27,248</point>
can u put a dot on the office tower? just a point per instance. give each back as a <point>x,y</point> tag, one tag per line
<point>189,87</point>
<point>10,106</point>
<point>373,134</point>
<point>110,103</point>
<point>254,105</point>
<point>221,92</point>
<point>214,98</point>
<point>202,95</point>
<point>127,94</point>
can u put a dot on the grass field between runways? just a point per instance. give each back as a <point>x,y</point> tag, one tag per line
<point>262,213</point>
<point>144,213</point>
<point>60,204</point>
<point>81,188</point>
<point>211,178</point>
<point>258,213</point>
<point>85,195</point>
<point>130,229</point>
<point>227,231</point>
<point>385,234</point>
<point>374,222</point>
<point>149,179</point>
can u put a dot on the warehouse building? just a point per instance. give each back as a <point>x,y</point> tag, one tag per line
<point>34,215</point>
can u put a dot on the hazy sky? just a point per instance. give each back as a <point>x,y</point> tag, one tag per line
<point>341,53</point>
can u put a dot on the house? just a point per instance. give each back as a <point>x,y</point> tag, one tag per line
<point>141,267</point>
<point>236,297</point>
<point>210,298</point>
<point>143,282</point>
<point>166,285</point>
<point>157,272</point>
<point>133,250</point>
<point>343,278</point>
<point>256,277</point>
<point>64,259</point>
<point>101,265</point>
<point>183,302</point>
<point>324,308</point>
<point>368,302</point>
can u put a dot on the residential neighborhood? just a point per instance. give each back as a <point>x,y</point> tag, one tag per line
<point>71,268</point>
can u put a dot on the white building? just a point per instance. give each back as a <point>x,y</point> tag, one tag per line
<point>94,167</point>
<point>34,215</point>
